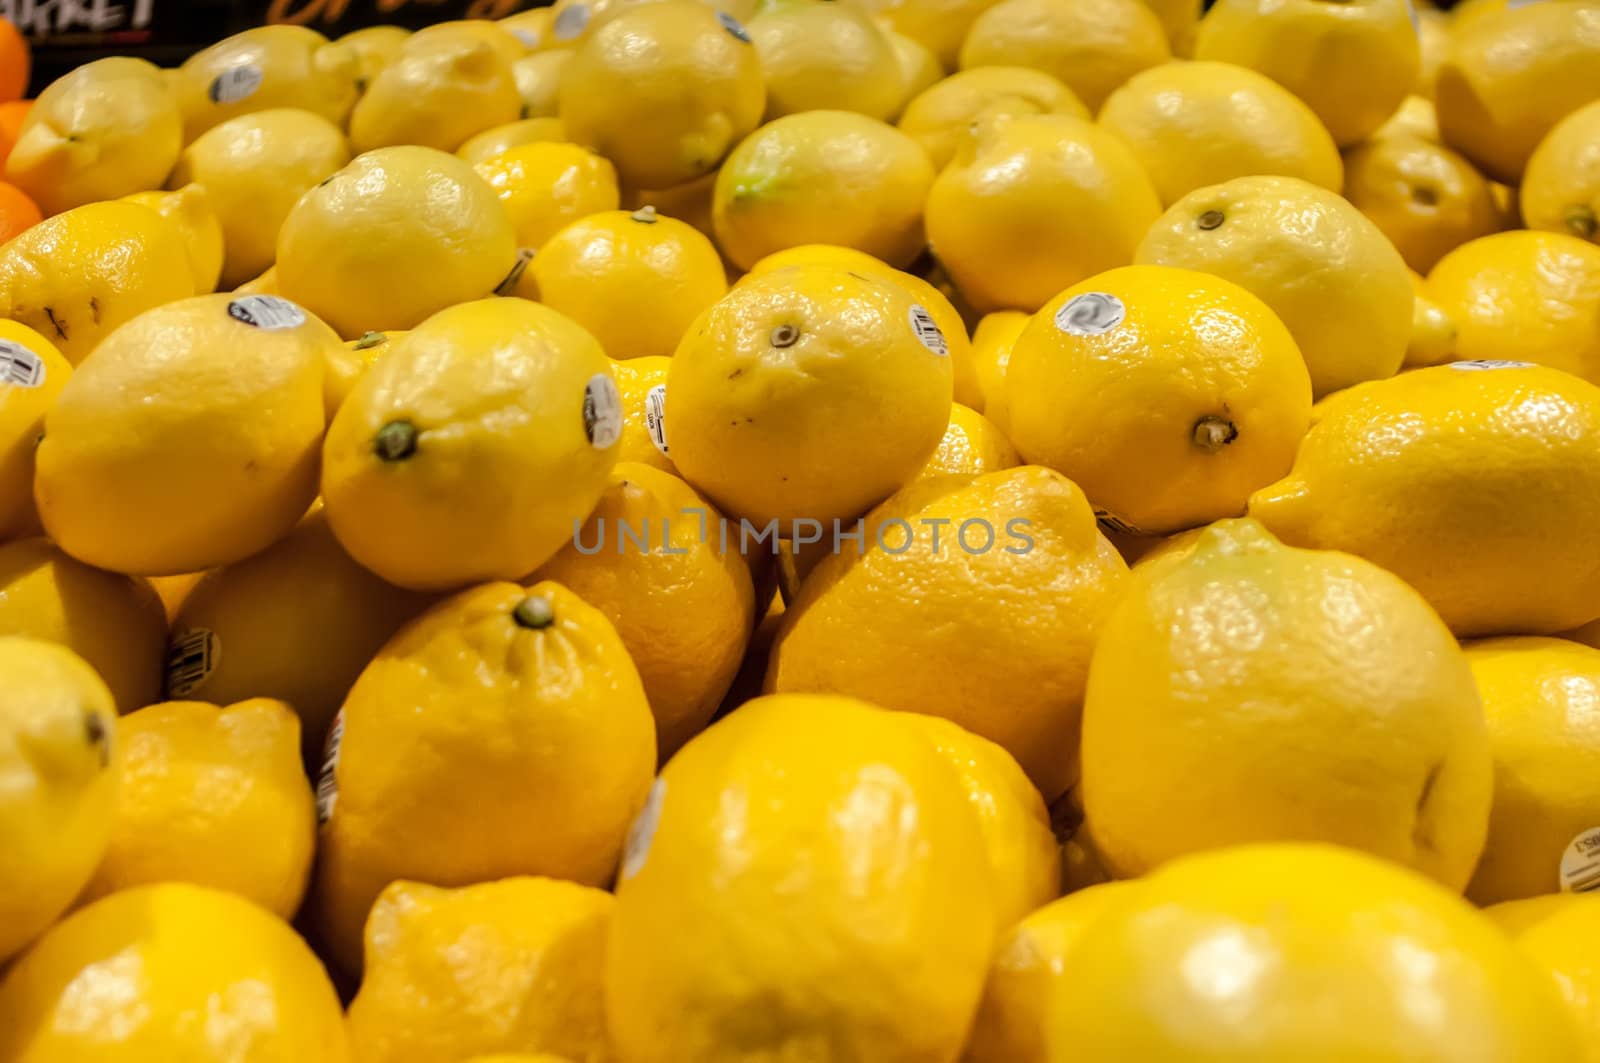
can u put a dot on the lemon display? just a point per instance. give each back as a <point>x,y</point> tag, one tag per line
<point>514,965</point>
<point>374,47</point>
<point>718,952</point>
<point>972,445</point>
<point>642,385</point>
<point>447,83</point>
<point>57,747</point>
<point>938,25</point>
<point>1561,186</point>
<point>264,68</point>
<point>502,138</point>
<point>1425,198</point>
<point>546,186</point>
<point>942,117</point>
<point>1556,943</point>
<point>32,374</point>
<point>538,80</point>
<point>191,210</point>
<point>826,57</point>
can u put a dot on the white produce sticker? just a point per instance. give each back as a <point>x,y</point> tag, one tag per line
<point>1580,863</point>
<point>602,411</point>
<point>1090,314</point>
<point>20,366</point>
<point>571,22</point>
<point>327,782</point>
<point>191,659</point>
<point>266,312</point>
<point>235,84</point>
<point>928,331</point>
<point>733,26</point>
<point>655,416</point>
<point>528,38</point>
<point>643,830</point>
<point>1484,364</point>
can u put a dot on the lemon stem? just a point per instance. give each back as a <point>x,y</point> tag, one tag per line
<point>396,441</point>
<point>785,336</point>
<point>1581,222</point>
<point>369,340</point>
<point>1212,433</point>
<point>534,612</point>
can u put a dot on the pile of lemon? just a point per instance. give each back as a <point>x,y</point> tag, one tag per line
<point>790,531</point>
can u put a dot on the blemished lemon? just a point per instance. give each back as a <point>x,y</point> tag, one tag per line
<point>807,393</point>
<point>227,432</point>
<point>448,82</point>
<point>642,383</point>
<point>826,57</point>
<point>514,965</point>
<point>823,177</point>
<point>1332,950</point>
<point>1433,330</point>
<point>502,138</point>
<point>1365,729</point>
<point>652,557</point>
<point>397,235</point>
<point>374,48</point>
<point>1167,395</point>
<point>75,277</point>
<point>545,186</point>
<point>964,645</point>
<point>992,341</point>
<point>254,169</point>
<point>505,732</point>
<point>104,130</point>
<point>213,797</point>
<point>408,452</point>
<point>1511,75</point>
<point>1322,266</point>
<point>188,973</point>
<point>190,208</point>
<point>635,279</point>
<point>1352,63</point>
<point>1035,204</point>
<point>1091,46</point>
<point>938,25</point>
<point>1561,187</point>
<point>1191,125</point>
<point>945,115</point>
<point>1559,942</point>
<point>32,374</point>
<point>264,68</point>
<point>57,746</point>
<point>1476,482</point>
<point>1425,198</point>
<point>664,90</point>
<point>715,955</point>
<point>1542,700</point>
<point>538,79</point>
<point>972,445</point>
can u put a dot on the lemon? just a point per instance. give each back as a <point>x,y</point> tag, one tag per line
<point>1036,204</point>
<point>990,628</point>
<point>374,48</point>
<point>1561,187</point>
<point>819,56</point>
<point>992,342</point>
<point>642,384</point>
<point>971,446</point>
<point>652,557</point>
<point>191,210</point>
<point>664,90</point>
<point>254,169</point>
<point>788,893</point>
<point>104,130</point>
<point>180,972</point>
<point>938,25</point>
<point>1191,125</point>
<point>410,449</point>
<point>823,177</point>
<point>266,283</point>
<point>1433,330</point>
<point>1476,482</point>
<point>514,965</point>
<point>1024,858</point>
<point>1425,198</point>
<point>532,27</point>
<point>1321,265</point>
<point>1560,944</point>
<point>1434,35</point>
<point>75,277</point>
<point>1180,19</point>
<point>1542,701</point>
<point>265,68</point>
<point>448,83</point>
<point>32,374</point>
<point>919,67</point>
<point>1516,916</point>
<point>807,393</point>
<point>1511,75</point>
<point>1525,296</point>
<point>1415,117</point>
<point>395,236</point>
<point>1279,952</point>
<point>1351,62</point>
<point>1091,46</point>
<point>945,115</point>
<point>56,749</point>
<point>1167,395</point>
<point>502,138</point>
<point>538,79</point>
<point>547,186</point>
<point>505,732</point>
<point>226,434</point>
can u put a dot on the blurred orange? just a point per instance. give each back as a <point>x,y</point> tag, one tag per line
<point>17,211</point>
<point>15,62</point>
<point>11,117</point>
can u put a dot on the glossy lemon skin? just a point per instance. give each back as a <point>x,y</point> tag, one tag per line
<point>941,117</point>
<point>501,138</point>
<point>939,25</point>
<point>538,79</point>
<point>22,411</point>
<point>822,57</point>
<point>448,83</point>
<point>1561,188</point>
<point>293,66</point>
<point>546,186</point>
<point>992,341</point>
<point>1557,943</point>
<point>191,209</point>
<point>1427,199</point>
<point>971,446</point>
<point>374,48</point>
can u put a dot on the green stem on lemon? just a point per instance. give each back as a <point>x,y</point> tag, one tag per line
<point>395,441</point>
<point>534,612</point>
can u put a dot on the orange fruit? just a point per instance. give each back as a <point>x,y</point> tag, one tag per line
<point>16,63</point>
<point>17,211</point>
<point>11,118</point>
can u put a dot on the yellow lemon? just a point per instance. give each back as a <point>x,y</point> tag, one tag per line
<point>56,749</point>
<point>514,965</point>
<point>1561,187</point>
<point>507,44</point>
<point>807,393</point>
<point>788,860</point>
<point>218,459</point>
<point>971,446</point>
<point>1167,395</point>
<point>1191,125</point>
<point>191,210</point>
<point>1415,117</point>
<point>1425,198</point>
<point>374,47</point>
<point>32,374</point>
<point>254,169</point>
<point>1542,701</point>
<point>1322,266</point>
<point>1091,46</point>
<point>264,284</point>
<point>1364,727</point>
<point>1516,916</point>
<point>395,236</point>
<point>104,130</point>
<point>531,27</point>
<point>987,591</point>
<point>1476,482</point>
<point>264,68</point>
<point>448,82</point>
<point>346,370</point>
<point>992,341</point>
<point>546,186</point>
<point>1325,954</point>
<point>664,90</point>
<point>1352,63</point>
<point>1434,36</point>
<point>504,732</point>
<point>642,383</point>
<point>173,590</point>
<point>655,559</point>
<point>75,277</point>
<point>823,177</point>
<point>945,115</point>
<point>1433,330</point>
<point>296,622</point>
<point>1526,296</point>
<point>538,79</point>
<point>919,67</point>
<point>181,972</point>
<point>1561,944</point>
<point>826,57</point>
<point>1036,204</point>
<point>1180,19</point>
<point>502,138</point>
<point>499,390</point>
<point>938,25</point>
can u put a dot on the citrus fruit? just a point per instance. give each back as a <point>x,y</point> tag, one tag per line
<point>538,79</point>
<point>826,57</point>
<point>1433,331</point>
<point>642,383</point>
<point>545,186</point>
<point>265,68</point>
<point>938,25</point>
<point>189,209</point>
<point>17,212</point>
<point>992,341</point>
<point>1558,943</point>
<point>945,115</point>
<point>1425,198</point>
<point>502,138</point>
<point>16,60</point>
<point>447,83</point>
<point>32,374</point>
<point>1561,186</point>
<point>972,445</point>
<point>374,47</point>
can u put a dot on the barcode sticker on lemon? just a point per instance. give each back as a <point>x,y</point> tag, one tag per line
<point>1482,364</point>
<point>327,782</point>
<point>235,84</point>
<point>602,411</point>
<point>655,416</point>
<point>20,366</point>
<point>191,659</point>
<point>266,312</point>
<point>928,331</point>
<point>1580,863</point>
